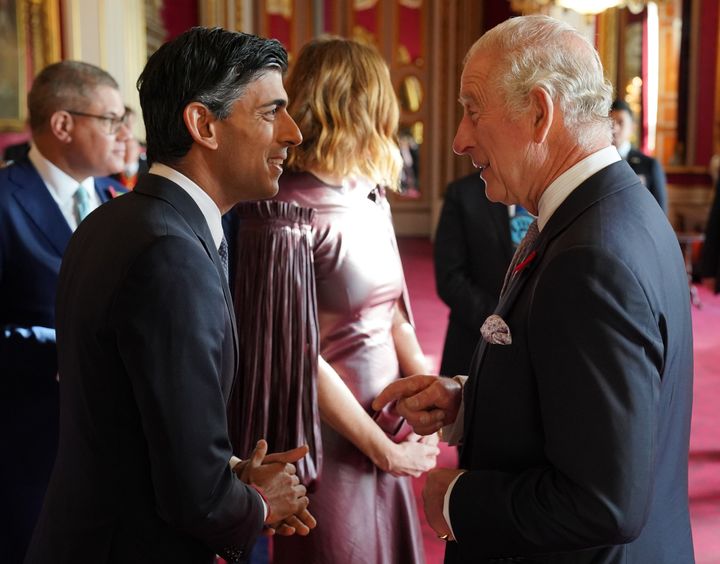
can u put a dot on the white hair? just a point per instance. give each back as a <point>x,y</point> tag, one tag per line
<point>544,52</point>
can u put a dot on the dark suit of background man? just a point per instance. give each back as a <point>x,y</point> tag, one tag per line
<point>574,446</point>
<point>647,168</point>
<point>473,248</point>
<point>146,336</point>
<point>78,132</point>
<point>710,259</point>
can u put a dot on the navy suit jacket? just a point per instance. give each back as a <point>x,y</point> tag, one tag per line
<point>651,175</point>
<point>33,237</point>
<point>576,434</point>
<point>147,349</point>
<point>472,252</point>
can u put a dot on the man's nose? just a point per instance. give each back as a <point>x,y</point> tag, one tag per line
<point>462,142</point>
<point>124,133</point>
<point>290,134</point>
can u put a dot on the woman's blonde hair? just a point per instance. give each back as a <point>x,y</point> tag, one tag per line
<point>343,101</point>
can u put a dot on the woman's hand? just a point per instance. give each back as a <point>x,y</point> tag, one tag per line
<point>413,456</point>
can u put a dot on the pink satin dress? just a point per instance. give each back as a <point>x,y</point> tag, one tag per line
<point>365,515</point>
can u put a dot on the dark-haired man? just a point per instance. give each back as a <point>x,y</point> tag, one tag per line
<point>78,138</point>
<point>647,168</point>
<point>146,334</point>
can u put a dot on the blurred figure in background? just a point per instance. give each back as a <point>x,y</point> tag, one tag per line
<point>474,242</point>
<point>710,258</point>
<point>79,129</point>
<point>647,168</point>
<point>135,157</point>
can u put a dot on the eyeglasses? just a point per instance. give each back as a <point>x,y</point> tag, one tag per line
<point>111,124</point>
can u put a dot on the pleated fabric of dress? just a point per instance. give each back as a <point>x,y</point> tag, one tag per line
<point>275,392</point>
<point>365,515</point>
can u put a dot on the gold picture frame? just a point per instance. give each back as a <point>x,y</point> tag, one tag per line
<point>29,41</point>
<point>13,64</point>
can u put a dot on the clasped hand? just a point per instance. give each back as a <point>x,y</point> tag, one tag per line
<point>427,402</point>
<point>286,497</point>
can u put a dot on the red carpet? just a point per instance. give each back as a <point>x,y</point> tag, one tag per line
<point>431,320</point>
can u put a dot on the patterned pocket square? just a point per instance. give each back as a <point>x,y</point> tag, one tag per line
<point>495,331</point>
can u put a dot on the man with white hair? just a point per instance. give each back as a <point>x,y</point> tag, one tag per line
<point>574,421</point>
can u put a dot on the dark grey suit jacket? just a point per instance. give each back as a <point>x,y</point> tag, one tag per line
<point>472,252</point>
<point>147,352</point>
<point>576,434</point>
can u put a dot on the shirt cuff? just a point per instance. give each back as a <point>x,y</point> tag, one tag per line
<point>264,500</point>
<point>446,504</point>
<point>234,460</point>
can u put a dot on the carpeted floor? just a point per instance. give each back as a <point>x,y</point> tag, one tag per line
<point>431,319</point>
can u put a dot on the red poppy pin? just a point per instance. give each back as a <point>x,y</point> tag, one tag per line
<point>524,263</point>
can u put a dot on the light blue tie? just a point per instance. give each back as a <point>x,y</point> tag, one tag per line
<point>82,203</point>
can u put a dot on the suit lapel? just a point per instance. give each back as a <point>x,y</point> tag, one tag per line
<point>614,178</point>
<point>106,191</point>
<point>34,198</point>
<point>160,187</point>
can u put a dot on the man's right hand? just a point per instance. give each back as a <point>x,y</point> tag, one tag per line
<point>275,476</point>
<point>428,403</point>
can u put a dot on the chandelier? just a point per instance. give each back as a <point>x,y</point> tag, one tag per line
<point>588,7</point>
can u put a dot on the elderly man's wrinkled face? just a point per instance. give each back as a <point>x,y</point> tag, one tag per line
<point>496,144</point>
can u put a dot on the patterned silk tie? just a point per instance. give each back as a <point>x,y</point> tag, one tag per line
<point>82,203</point>
<point>521,254</point>
<point>223,252</point>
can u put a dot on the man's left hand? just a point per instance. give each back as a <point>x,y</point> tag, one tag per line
<point>438,482</point>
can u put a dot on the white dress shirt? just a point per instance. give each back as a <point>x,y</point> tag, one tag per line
<point>552,197</point>
<point>62,187</point>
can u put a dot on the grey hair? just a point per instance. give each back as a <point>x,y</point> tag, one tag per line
<point>61,86</point>
<point>548,53</point>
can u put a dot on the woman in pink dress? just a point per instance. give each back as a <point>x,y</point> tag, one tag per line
<point>342,99</point>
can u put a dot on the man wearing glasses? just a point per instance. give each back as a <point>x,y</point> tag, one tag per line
<point>78,125</point>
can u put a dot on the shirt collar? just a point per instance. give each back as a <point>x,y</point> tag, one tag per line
<point>58,182</point>
<point>564,184</point>
<point>206,204</point>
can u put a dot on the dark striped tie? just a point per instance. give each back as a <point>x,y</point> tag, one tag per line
<point>521,254</point>
<point>223,252</point>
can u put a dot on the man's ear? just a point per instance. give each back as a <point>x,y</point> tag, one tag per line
<point>200,123</point>
<point>62,125</point>
<point>542,110</point>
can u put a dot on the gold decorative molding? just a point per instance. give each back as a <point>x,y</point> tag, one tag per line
<point>36,31</point>
<point>13,75</point>
<point>154,25</point>
<point>44,24</point>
